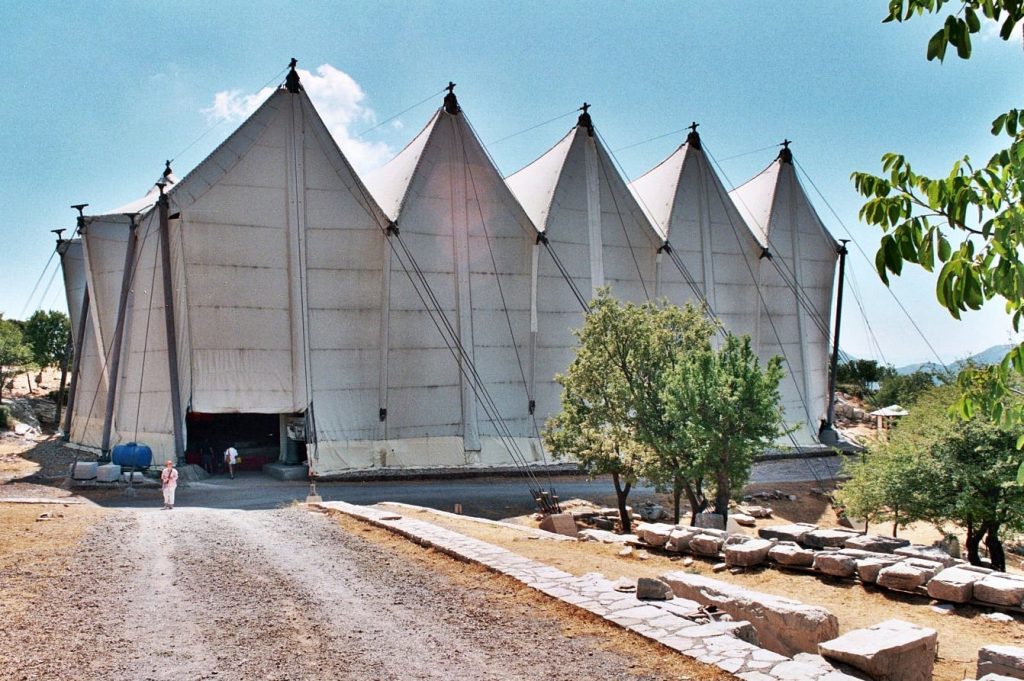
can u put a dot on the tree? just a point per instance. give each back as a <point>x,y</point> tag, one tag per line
<point>14,354</point>
<point>857,376</point>
<point>47,334</point>
<point>723,410</point>
<point>942,471</point>
<point>612,416</point>
<point>903,390</point>
<point>970,222</point>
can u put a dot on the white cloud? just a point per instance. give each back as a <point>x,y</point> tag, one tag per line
<point>338,98</point>
<point>990,31</point>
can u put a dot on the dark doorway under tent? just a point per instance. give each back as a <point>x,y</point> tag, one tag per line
<point>257,437</point>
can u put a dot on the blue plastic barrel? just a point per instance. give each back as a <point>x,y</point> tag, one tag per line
<point>132,454</point>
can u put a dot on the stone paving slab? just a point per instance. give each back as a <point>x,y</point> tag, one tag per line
<point>727,645</point>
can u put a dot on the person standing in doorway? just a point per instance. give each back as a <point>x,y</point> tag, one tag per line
<point>169,483</point>
<point>206,456</point>
<point>230,457</point>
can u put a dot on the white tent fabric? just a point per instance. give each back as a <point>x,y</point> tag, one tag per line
<point>87,421</point>
<point>473,244</point>
<point>597,230</point>
<point>691,208</point>
<point>796,285</point>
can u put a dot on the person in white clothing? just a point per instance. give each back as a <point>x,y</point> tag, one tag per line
<point>230,457</point>
<point>169,483</point>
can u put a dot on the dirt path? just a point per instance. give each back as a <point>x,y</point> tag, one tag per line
<point>282,594</point>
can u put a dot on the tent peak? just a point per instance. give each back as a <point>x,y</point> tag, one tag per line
<point>451,102</point>
<point>291,81</point>
<point>585,120</point>
<point>786,154</point>
<point>693,139</point>
<point>80,207</point>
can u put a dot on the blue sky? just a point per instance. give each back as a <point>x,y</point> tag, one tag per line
<point>98,95</point>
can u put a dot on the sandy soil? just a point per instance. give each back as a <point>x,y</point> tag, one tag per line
<point>283,594</point>
<point>960,633</point>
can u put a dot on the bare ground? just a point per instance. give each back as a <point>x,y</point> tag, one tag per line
<point>285,594</point>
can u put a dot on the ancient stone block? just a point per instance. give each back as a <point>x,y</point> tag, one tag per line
<point>827,538</point>
<point>868,568</point>
<point>875,543</point>
<point>893,650</point>
<point>679,540</point>
<point>560,523</point>
<point>789,553</point>
<point>747,554</point>
<point>835,564</point>
<point>758,511</point>
<point>706,545</point>
<point>783,625</point>
<point>794,532</point>
<point>712,521</point>
<point>743,519</point>
<point>655,534</point>
<point>907,575</point>
<point>1004,660</point>
<point>928,553</point>
<point>954,584</point>
<point>648,589</point>
<point>1000,589</point>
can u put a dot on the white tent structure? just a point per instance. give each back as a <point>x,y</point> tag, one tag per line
<point>795,280</point>
<point>596,235</point>
<point>417,321</point>
<point>457,316</point>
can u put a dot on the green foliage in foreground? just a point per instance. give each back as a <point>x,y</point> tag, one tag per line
<point>969,223</point>
<point>942,471</point>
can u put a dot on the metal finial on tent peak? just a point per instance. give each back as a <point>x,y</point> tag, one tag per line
<point>451,102</point>
<point>291,81</point>
<point>60,235</point>
<point>693,139</point>
<point>585,120</point>
<point>785,154</point>
<point>167,168</point>
<point>80,207</point>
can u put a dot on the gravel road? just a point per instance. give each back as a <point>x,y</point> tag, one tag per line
<point>278,594</point>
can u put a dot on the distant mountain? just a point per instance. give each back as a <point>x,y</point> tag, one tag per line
<point>992,355</point>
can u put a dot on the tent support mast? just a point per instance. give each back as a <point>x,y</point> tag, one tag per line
<point>828,433</point>
<point>163,206</point>
<point>115,350</point>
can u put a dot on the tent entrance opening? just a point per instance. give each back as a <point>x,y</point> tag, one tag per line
<point>257,437</point>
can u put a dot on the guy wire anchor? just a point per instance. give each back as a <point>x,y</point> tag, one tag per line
<point>313,497</point>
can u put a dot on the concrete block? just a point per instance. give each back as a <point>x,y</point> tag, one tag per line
<point>827,538</point>
<point>783,625</point>
<point>893,650</point>
<point>109,472</point>
<point>1004,660</point>
<point>1000,589</point>
<point>747,554</point>
<point>954,584</point>
<point>875,543</point>
<point>835,564</point>
<point>84,470</point>
<point>794,532</point>
<point>789,553</point>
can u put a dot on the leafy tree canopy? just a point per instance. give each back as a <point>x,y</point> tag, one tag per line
<point>968,224</point>
<point>47,334</point>
<point>14,353</point>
